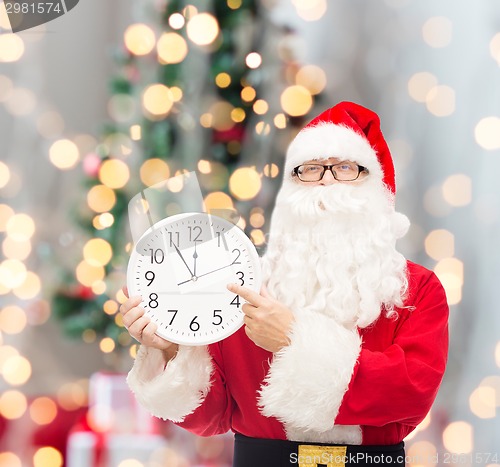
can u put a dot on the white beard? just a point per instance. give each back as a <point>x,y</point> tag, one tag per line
<point>332,250</point>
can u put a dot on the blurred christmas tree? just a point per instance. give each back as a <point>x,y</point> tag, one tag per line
<point>218,92</point>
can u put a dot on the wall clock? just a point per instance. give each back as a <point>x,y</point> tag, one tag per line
<point>181,266</point>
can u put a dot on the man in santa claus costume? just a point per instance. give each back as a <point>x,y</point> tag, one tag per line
<point>344,349</point>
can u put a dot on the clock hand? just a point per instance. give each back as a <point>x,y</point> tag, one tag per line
<point>207,273</point>
<point>183,260</point>
<point>195,256</point>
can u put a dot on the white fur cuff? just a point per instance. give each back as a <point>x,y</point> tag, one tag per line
<point>176,391</point>
<point>307,380</point>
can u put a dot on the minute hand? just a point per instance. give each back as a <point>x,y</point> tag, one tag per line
<point>183,260</point>
<point>206,273</point>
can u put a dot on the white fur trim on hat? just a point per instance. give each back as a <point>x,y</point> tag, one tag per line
<point>330,140</point>
<point>307,380</point>
<point>174,391</point>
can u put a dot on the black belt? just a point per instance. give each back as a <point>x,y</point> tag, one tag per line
<point>254,452</point>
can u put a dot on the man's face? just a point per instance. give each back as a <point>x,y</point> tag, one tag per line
<point>342,167</point>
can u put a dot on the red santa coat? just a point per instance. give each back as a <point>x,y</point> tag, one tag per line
<point>368,386</point>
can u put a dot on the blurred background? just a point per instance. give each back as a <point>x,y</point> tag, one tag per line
<point>116,96</point>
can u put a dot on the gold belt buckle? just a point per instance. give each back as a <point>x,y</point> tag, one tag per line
<point>312,456</point>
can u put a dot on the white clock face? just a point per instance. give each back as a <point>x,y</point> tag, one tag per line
<point>181,267</point>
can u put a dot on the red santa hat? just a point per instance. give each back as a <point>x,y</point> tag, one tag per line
<point>347,131</point>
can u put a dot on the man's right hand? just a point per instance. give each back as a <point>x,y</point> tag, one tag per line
<point>142,329</point>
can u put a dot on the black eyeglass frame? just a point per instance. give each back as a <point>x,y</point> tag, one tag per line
<point>295,172</point>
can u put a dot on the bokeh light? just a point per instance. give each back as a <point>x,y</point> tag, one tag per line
<point>260,106</point>
<point>11,47</point>
<point>107,345</point>
<point>218,200</point>
<point>457,190</point>
<point>482,402</point>
<point>176,93</point>
<point>422,454</point>
<point>310,10</point>
<point>4,174</point>
<point>257,236</point>
<point>202,29</point>
<point>6,212</point>
<point>440,244</point>
<point>139,39</point>
<point>130,463</point>
<point>420,84</point>
<point>154,171</point>
<point>12,273</point>
<point>450,272</point>
<point>16,370</point>
<point>271,170</point>
<point>47,456</point>
<point>30,287</point>
<point>9,459</point>
<point>21,102</point>
<point>13,404</point>
<point>97,252</point>
<point>280,121</point>
<point>311,77</point>
<point>87,274</point>
<point>487,133</point>
<point>262,128</point>
<point>12,319</point>
<point>495,47</point>
<point>110,307</point>
<point>101,198</point>
<point>172,48</point>
<point>114,173</point>
<point>437,31</point>
<point>257,218</point>
<point>135,132</point>
<point>223,80</point>
<point>221,115</point>
<point>296,100</point>
<point>234,4</point>
<point>72,396</point>
<point>43,410</point>
<point>440,101</point>
<point>6,351</point>
<point>157,101</point>
<point>458,437</point>
<point>98,287</point>
<point>20,227</point>
<point>64,154</point>
<point>176,21</point>
<point>238,115</point>
<point>248,93</point>
<point>245,183</point>
<point>253,60</point>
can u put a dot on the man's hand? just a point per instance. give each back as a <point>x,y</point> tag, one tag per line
<point>267,321</point>
<point>142,329</point>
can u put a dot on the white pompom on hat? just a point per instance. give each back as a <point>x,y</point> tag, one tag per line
<point>346,131</point>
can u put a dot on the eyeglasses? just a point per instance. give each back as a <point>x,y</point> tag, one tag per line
<point>343,171</point>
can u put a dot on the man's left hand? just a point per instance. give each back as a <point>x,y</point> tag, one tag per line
<point>267,321</point>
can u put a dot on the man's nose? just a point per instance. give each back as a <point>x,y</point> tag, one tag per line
<point>328,178</point>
